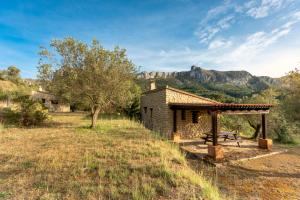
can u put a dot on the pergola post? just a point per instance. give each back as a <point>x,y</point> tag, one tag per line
<point>263,142</point>
<point>264,126</point>
<point>215,151</point>
<point>214,120</point>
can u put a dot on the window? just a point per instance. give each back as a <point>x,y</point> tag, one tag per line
<point>195,117</point>
<point>44,100</point>
<point>54,102</point>
<point>145,110</point>
<point>183,115</point>
<point>151,111</point>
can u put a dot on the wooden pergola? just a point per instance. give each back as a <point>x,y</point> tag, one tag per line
<point>216,109</point>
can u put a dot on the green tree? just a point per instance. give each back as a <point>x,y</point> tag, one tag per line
<point>269,96</point>
<point>87,74</point>
<point>291,95</point>
<point>132,109</point>
<point>13,74</point>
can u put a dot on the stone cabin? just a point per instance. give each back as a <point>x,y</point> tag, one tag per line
<point>50,101</point>
<point>157,115</point>
<point>178,114</point>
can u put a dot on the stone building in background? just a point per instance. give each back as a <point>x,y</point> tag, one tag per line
<point>50,101</point>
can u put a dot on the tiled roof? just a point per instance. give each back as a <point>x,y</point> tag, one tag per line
<point>222,106</point>
<point>180,91</point>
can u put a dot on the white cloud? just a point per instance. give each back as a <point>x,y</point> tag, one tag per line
<point>262,8</point>
<point>229,12</point>
<point>255,54</point>
<point>219,43</point>
<point>206,32</point>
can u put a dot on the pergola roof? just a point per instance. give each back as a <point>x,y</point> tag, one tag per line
<point>221,106</point>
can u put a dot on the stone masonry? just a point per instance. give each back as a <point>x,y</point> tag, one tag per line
<point>157,116</point>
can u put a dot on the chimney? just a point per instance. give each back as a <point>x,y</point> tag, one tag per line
<point>152,85</point>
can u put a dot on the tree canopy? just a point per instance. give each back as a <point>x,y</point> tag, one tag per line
<point>87,74</point>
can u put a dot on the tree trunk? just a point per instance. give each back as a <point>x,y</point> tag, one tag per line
<point>256,127</point>
<point>95,113</point>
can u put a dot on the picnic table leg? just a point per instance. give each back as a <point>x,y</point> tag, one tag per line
<point>226,137</point>
<point>205,139</point>
<point>236,138</point>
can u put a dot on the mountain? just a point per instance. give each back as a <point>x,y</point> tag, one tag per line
<point>221,85</point>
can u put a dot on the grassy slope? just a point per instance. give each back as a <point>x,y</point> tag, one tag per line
<point>118,160</point>
<point>7,86</point>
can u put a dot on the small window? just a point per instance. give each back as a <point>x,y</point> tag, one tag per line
<point>183,115</point>
<point>195,117</point>
<point>151,111</point>
<point>44,100</point>
<point>54,102</point>
<point>145,110</point>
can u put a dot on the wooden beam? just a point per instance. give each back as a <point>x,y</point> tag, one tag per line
<point>244,112</point>
<point>214,119</point>
<point>174,121</point>
<point>264,126</point>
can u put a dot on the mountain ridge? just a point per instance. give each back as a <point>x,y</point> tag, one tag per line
<point>238,78</point>
<point>228,86</point>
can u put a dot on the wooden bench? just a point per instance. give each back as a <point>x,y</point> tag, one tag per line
<point>226,135</point>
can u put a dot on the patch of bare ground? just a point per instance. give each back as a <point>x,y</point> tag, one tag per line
<point>118,160</point>
<point>274,177</point>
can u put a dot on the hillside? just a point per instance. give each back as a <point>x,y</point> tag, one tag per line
<point>7,86</point>
<point>118,160</point>
<point>221,85</point>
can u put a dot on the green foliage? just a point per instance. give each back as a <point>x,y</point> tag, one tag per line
<point>132,109</point>
<point>283,131</point>
<point>12,74</point>
<point>11,116</point>
<point>291,96</point>
<point>30,113</point>
<point>87,74</point>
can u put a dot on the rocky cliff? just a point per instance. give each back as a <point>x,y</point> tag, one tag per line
<point>237,78</point>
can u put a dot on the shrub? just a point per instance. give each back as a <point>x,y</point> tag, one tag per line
<point>30,113</point>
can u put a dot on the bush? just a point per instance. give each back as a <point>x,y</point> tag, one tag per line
<point>281,129</point>
<point>30,113</point>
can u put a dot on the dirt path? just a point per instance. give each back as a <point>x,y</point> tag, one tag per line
<point>274,177</point>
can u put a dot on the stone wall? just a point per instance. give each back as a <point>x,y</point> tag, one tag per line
<point>155,102</point>
<point>186,128</point>
<point>162,116</point>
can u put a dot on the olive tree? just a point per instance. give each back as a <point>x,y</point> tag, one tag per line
<point>87,74</point>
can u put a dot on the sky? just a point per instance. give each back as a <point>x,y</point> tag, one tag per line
<point>259,36</point>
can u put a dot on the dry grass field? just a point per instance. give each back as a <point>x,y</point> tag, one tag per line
<point>276,177</point>
<point>117,160</point>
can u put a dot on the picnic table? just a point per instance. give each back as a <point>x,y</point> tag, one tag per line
<point>226,135</point>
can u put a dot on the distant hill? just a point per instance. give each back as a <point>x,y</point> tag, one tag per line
<point>228,86</point>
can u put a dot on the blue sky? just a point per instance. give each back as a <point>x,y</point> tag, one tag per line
<point>260,36</point>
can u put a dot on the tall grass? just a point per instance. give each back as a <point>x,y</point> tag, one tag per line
<point>119,159</point>
<point>1,127</point>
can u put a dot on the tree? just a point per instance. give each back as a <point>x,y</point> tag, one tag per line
<point>12,73</point>
<point>87,74</point>
<point>132,109</point>
<point>268,96</point>
<point>291,95</point>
